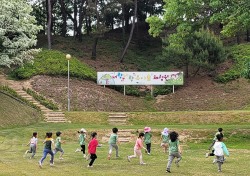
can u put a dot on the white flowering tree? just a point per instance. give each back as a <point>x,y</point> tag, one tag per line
<point>18,31</point>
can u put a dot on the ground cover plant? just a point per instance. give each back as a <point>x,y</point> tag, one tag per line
<point>195,139</point>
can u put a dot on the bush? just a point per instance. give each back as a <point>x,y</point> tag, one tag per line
<point>49,62</point>
<point>47,103</point>
<point>241,57</point>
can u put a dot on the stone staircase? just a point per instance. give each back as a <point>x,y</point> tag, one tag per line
<point>50,115</point>
<point>118,118</point>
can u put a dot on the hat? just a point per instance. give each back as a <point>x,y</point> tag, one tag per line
<point>83,130</point>
<point>165,131</point>
<point>147,129</point>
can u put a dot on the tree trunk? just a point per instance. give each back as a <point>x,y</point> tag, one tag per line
<point>123,27</point>
<point>75,18</point>
<point>80,22</point>
<point>94,48</point>
<point>126,17</point>
<point>97,29</point>
<point>131,32</point>
<point>64,17</point>
<point>49,24</point>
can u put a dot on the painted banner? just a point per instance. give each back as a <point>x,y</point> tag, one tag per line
<point>140,78</point>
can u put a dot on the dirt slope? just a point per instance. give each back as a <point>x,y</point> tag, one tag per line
<point>199,93</point>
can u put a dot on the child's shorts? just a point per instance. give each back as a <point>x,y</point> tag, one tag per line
<point>58,150</point>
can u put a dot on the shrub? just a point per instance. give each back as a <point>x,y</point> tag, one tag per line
<point>47,103</point>
<point>49,62</point>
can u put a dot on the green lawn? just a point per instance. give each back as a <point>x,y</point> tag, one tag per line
<point>13,145</point>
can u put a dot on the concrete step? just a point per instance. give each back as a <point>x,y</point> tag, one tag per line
<point>117,120</point>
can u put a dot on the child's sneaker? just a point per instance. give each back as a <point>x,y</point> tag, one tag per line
<point>40,164</point>
<point>77,150</point>
<point>61,158</point>
<point>219,170</point>
<point>177,163</point>
<point>128,159</point>
<point>207,154</point>
<point>51,164</point>
<point>90,166</point>
<point>142,163</point>
<point>108,157</point>
<point>214,161</point>
<point>84,156</point>
<point>168,171</point>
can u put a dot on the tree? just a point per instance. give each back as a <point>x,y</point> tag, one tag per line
<point>18,31</point>
<point>200,49</point>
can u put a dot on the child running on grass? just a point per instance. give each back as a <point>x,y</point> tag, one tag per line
<point>47,149</point>
<point>113,140</point>
<point>147,139</point>
<point>58,145</point>
<point>174,150</point>
<point>219,132</point>
<point>219,150</point>
<point>165,139</point>
<point>82,141</point>
<point>137,149</point>
<point>33,145</point>
<point>92,148</point>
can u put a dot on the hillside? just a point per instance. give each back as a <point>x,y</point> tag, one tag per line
<point>198,93</point>
<point>13,112</point>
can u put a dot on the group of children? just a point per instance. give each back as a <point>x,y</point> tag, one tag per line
<point>169,140</point>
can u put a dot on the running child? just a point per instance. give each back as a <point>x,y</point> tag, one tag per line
<point>174,150</point>
<point>113,140</point>
<point>33,145</point>
<point>58,145</point>
<point>219,150</point>
<point>165,139</point>
<point>137,149</point>
<point>219,132</point>
<point>82,140</point>
<point>47,149</point>
<point>92,149</point>
<point>147,139</point>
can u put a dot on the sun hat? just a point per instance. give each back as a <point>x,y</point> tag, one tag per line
<point>83,130</point>
<point>165,131</point>
<point>147,129</point>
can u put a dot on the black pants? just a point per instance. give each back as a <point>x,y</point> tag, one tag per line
<point>148,147</point>
<point>83,149</point>
<point>92,157</point>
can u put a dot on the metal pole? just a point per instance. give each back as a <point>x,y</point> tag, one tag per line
<point>173,88</point>
<point>68,89</point>
<point>124,90</point>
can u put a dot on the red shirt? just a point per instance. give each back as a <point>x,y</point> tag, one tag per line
<point>92,146</point>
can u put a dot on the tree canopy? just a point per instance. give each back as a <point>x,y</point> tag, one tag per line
<point>18,31</point>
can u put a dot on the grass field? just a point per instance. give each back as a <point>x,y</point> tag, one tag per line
<point>13,145</point>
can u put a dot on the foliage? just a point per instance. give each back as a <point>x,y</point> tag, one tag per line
<point>241,57</point>
<point>17,33</point>
<point>13,94</point>
<point>47,103</point>
<point>201,49</point>
<point>235,17</point>
<point>49,62</point>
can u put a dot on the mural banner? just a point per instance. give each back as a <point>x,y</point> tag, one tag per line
<point>140,78</point>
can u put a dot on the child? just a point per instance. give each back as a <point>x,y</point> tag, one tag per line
<point>113,140</point>
<point>165,139</point>
<point>174,150</point>
<point>47,149</point>
<point>82,139</point>
<point>147,139</point>
<point>137,149</point>
<point>58,146</point>
<point>219,150</point>
<point>92,148</point>
<point>33,145</point>
<point>214,140</point>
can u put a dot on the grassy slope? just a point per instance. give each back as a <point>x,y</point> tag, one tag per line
<point>14,113</point>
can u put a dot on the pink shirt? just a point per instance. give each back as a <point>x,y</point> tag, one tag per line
<point>92,146</point>
<point>138,144</point>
